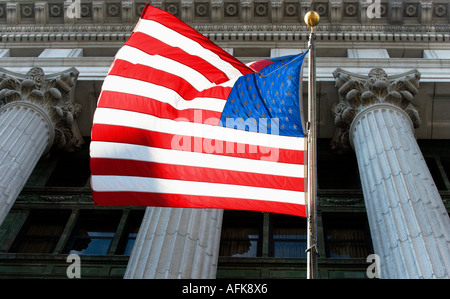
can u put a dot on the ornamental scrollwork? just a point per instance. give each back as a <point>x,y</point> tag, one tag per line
<point>53,93</point>
<point>357,92</point>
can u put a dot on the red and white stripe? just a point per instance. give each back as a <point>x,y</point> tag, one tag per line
<point>155,139</point>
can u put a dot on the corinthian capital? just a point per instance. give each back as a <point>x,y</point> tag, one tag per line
<point>53,93</point>
<point>357,92</point>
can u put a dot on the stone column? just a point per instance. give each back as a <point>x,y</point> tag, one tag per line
<point>36,113</point>
<point>408,221</point>
<point>26,132</point>
<point>176,243</point>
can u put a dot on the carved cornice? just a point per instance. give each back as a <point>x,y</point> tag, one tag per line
<point>233,32</point>
<point>393,10</point>
<point>229,27</point>
<point>53,94</point>
<point>358,92</point>
<point>195,12</point>
<point>228,20</point>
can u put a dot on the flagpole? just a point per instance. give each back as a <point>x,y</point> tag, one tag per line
<point>311,19</point>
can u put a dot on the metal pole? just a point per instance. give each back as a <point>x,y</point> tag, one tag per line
<point>312,251</point>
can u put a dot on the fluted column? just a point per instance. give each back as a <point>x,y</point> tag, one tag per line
<point>409,225</point>
<point>36,113</point>
<point>176,243</point>
<point>26,131</point>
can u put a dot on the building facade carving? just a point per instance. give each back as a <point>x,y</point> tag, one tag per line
<point>332,11</point>
<point>376,115</point>
<point>416,33</point>
<point>224,20</point>
<point>358,92</point>
<point>53,93</point>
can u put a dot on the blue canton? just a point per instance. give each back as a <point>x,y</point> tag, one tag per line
<point>268,101</point>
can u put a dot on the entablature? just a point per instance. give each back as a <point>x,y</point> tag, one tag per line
<point>44,12</point>
<point>224,19</point>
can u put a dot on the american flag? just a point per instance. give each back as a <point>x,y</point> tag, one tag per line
<point>182,123</point>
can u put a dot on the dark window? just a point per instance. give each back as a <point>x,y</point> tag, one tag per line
<point>446,165</point>
<point>288,236</point>
<point>346,236</point>
<point>131,231</point>
<point>41,232</point>
<point>336,171</point>
<point>241,234</point>
<point>435,172</point>
<point>72,169</point>
<point>94,232</point>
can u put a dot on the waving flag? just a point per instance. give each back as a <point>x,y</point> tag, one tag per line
<point>181,123</point>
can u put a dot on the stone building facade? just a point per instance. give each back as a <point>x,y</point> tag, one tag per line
<point>380,64</point>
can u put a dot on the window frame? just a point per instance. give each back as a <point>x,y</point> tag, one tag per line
<point>36,215</point>
<point>343,219</point>
<point>91,215</point>
<point>283,219</point>
<point>250,217</point>
<point>130,219</point>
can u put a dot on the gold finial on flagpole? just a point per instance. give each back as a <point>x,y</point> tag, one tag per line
<point>312,19</point>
